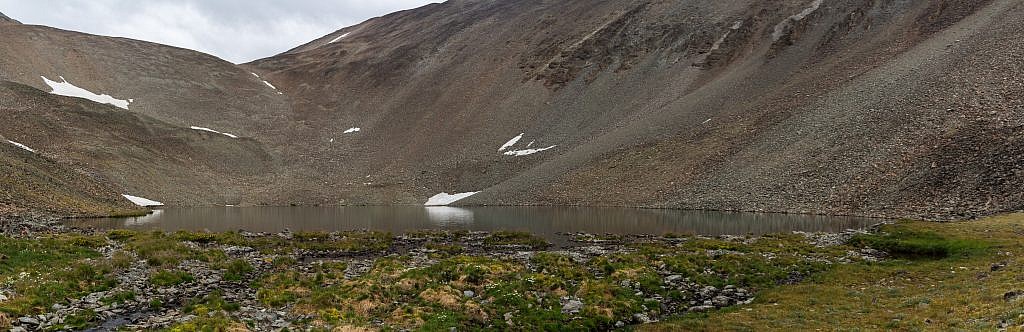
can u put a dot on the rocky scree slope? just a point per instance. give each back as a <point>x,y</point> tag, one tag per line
<point>134,153</point>
<point>142,142</point>
<point>34,185</point>
<point>885,108</point>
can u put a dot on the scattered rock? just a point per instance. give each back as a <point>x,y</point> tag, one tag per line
<point>1013,295</point>
<point>643,318</point>
<point>721,301</point>
<point>28,321</point>
<point>571,306</point>
<point>700,308</point>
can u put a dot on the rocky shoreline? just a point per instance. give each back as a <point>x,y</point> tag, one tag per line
<point>154,306</point>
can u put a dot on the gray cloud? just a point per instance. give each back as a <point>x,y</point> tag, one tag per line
<point>235,30</point>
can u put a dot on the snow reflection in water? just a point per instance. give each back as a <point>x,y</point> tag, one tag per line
<point>444,215</point>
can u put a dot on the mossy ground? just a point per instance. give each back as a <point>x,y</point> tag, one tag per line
<point>949,276</point>
<point>496,291</point>
<point>943,277</point>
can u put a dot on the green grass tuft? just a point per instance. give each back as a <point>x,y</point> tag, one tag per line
<point>168,278</point>
<point>911,244</point>
<point>237,269</point>
<point>503,238</point>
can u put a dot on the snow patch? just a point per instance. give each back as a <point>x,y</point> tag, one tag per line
<point>511,142</point>
<point>265,82</point>
<point>142,201</point>
<point>443,199</point>
<point>335,40</point>
<point>212,131</point>
<point>352,130</point>
<point>22,146</point>
<point>65,88</point>
<point>526,152</point>
<point>781,27</point>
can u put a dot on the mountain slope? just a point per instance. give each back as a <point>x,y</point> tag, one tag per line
<point>142,142</point>
<point>133,152</point>
<point>33,184</point>
<point>168,83</point>
<point>867,107</point>
<point>845,107</point>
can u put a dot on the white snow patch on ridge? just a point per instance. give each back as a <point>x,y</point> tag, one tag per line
<point>212,131</point>
<point>527,151</point>
<point>22,146</point>
<point>780,28</point>
<point>335,40</point>
<point>65,88</point>
<point>352,130</point>
<point>511,142</point>
<point>265,82</point>
<point>443,199</point>
<point>142,201</point>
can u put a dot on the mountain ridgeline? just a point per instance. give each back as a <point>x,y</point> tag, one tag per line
<point>860,107</point>
<point>7,20</point>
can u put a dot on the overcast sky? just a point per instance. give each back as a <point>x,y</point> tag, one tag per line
<point>235,30</point>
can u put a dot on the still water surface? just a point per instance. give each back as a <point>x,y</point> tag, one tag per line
<point>543,221</point>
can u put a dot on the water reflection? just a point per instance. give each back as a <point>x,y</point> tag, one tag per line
<point>149,218</point>
<point>444,215</point>
<point>545,221</point>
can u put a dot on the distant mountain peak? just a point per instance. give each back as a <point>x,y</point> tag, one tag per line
<point>5,19</point>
